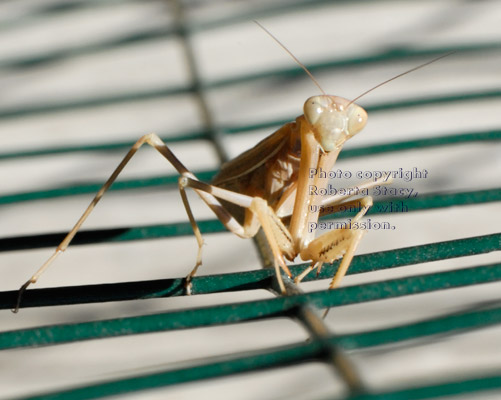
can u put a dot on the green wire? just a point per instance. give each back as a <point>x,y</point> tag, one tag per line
<point>406,145</point>
<point>125,234</point>
<point>304,352</point>
<point>283,306</point>
<point>258,279</point>
<point>159,93</point>
<point>232,313</point>
<point>445,389</point>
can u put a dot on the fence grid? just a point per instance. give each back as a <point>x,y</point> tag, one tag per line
<point>322,346</point>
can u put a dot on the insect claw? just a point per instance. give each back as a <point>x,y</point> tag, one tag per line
<point>319,268</point>
<point>23,288</point>
<point>188,285</point>
<point>287,271</point>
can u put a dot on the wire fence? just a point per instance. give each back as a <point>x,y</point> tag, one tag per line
<point>453,193</point>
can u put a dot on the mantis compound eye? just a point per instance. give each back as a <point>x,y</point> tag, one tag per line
<point>333,120</point>
<point>357,119</point>
<point>315,106</point>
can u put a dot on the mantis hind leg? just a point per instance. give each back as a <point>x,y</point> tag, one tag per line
<point>258,214</point>
<point>154,141</point>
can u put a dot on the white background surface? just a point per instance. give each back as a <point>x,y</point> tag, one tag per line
<point>320,33</point>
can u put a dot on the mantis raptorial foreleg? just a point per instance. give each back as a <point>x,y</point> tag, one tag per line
<point>336,244</point>
<point>328,203</point>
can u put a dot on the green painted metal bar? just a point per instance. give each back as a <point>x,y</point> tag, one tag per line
<point>421,202</point>
<point>380,56</point>
<point>58,55</point>
<point>430,101</point>
<point>301,352</point>
<point>40,12</point>
<point>74,190</point>
<point>257,362</point>
<point>148,34</point>
<point>91,102</point>
<point>404,145</point>
<point>207,175</point>
<point>250,280</point>
<point>437,200</point>
<point>304,352</point>
<point>463,386</point>
<point>124,234</point>
<point>92,147</point>
<point>434,141</point>
<point>462,322</point>
<point>249,311</point>
<point>101,100</point>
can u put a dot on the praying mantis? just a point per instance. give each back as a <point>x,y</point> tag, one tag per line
<point>268,187</point>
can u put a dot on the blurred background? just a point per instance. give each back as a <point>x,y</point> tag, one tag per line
<point>80,81</point>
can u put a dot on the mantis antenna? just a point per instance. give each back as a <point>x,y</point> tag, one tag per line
<point>293,57</point>
<point>400,75</point>
<point>367,91</point>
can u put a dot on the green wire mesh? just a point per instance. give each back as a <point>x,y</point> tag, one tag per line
<point>286,355</point>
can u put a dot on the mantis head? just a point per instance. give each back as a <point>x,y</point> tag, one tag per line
<point>334,120</point>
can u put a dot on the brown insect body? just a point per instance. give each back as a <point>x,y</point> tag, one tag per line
<point>277,169</point>
<point>278,158</point>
